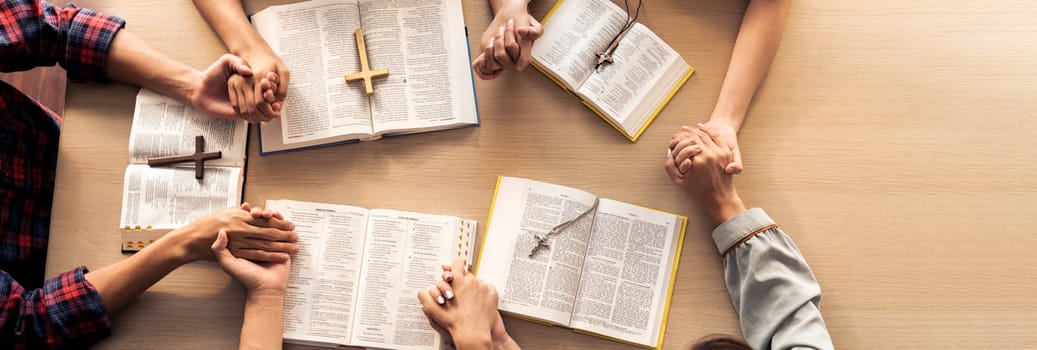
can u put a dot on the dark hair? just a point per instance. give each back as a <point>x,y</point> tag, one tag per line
<point>720,342</point>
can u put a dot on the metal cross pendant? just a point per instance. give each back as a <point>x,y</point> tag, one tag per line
<point>541,243</point>
<point>603,58</point>
<point>365,73</point>
<point>199,157</point>
<point>542,240</point>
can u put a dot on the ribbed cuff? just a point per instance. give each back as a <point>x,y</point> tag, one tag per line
<point>737,228</point>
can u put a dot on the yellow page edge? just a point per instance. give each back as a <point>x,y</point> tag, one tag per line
<point>552,11</point>
<point>659,109</point>
<point>602,336</point>
<point>673,279</point>
<point>610,122</point>
<point>482,240</point>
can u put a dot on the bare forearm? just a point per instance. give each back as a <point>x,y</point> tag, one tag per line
<point>506,343</point>
<point>119,283</point>
<point>228,19</point>
<point>496,5</point>
<point>131,60</point>
<point>480,341</point>
<point>262,327</point>
<point>754,50</point>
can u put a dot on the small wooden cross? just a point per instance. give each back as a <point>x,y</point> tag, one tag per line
<point>605,57</point>
<point>199,157</point>
<point>365,73</point>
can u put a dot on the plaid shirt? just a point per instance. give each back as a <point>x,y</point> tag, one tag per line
<point>66,311</point>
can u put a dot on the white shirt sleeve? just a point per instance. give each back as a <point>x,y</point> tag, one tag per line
<point>772,288</point>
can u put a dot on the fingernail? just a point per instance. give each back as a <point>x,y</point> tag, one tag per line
<point>511,22</point>
<point>440,300</point>
<point>449,294</point>
<point>702,126</point>
<point>501,31</point>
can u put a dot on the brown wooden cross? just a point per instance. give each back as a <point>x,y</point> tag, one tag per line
<point>365,73</point>
<point>199,157</point>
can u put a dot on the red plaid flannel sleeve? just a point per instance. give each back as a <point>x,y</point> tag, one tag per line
<point>37,33</point>
<point>66,313</point>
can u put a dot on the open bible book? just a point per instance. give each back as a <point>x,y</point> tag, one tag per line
<point>606,268</point>
<point>423,44</point>
<point>156,200</point>
<point>357,275</point>
<point>627,93</point>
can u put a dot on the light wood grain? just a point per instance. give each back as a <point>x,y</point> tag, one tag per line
<point>894,141</point>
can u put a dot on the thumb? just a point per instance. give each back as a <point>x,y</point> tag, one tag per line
<point>735,167</point>
<point>219,248</point>
<point>535,29</point>
<point>236,64</point>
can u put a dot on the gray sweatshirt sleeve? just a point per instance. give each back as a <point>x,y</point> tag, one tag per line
<point>772,288</point>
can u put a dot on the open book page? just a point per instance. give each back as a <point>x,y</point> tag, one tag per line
<point>164,127</point>
<point>170,197</point>
<point>322,287</point>
<point>645,70</point>
<point>574,33</point>
<point>424,46</point>
<point>543,286</point>
<point>626,277</point>
<point>315,39</point>
<point>404,253</point>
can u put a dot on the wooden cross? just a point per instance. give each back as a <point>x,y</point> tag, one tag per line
<point>199,157</point>
<point>365,73</point>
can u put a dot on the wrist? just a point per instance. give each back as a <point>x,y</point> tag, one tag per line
<point>183,245</point>
<point>725,207</point>
<point>503,342</point>
<point>179,82</point>
<point>468,341</point>
<point>173,248</point>
<point>250,48</point>
<point>243,40</point>
<point>265,297</point>
<point>732,120</point>
<point>510,6</point>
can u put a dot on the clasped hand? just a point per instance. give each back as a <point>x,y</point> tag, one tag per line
<point>464,308</point>
<point>508,42</point>
<point>229,88</point>
<point>699,164</point>
<point>252,234</point>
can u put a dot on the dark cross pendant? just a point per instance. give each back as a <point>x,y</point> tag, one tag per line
<point>199,157</point>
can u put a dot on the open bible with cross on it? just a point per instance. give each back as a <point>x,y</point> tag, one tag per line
<point>366,69</point>
<point>184,164</point>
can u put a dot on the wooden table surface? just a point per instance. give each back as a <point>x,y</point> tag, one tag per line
<point>894,141</point>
